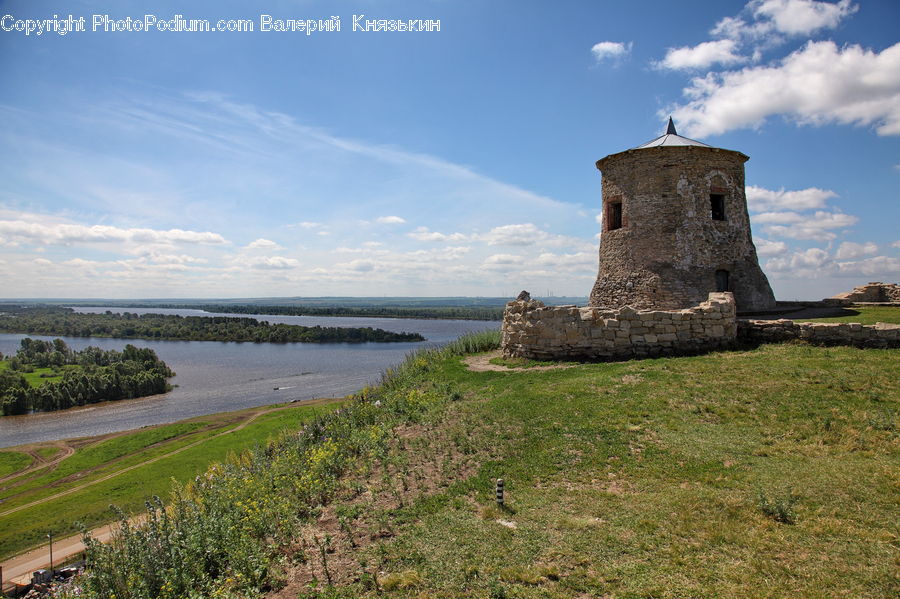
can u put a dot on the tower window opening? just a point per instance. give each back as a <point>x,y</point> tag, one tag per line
<point>717,206</point>
<point>614,216</point>
<point>722,280</point>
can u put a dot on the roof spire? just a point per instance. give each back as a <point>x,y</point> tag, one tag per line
<point>670,130</point>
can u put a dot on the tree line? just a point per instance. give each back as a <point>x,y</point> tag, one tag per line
<point>46,320</point>
<point>424,312</point>
<point>87,376</point>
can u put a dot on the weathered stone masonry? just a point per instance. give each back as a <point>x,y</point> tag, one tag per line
<point>676,227</point>
<point>533,330</point>
<point>677,261</point>
<point>876,292</point>
<point>880,335</point>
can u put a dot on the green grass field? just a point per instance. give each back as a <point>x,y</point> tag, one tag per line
<point>766,472</point>
<point>13,461</point>
<point>763,473</point>
<point>94,459</point>
<point>39,376</point>
<point>865,315</point>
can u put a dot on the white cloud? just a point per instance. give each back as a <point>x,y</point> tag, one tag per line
<point>759,198</point>
<point>67,234</point>
<point>268,262</point>
<point>42,262</point>
<point>735,28</point>
<point>849,250</point>
<point>610,50</point>
<point>818,84</point>
<point>702,55</point>
<point>503,261</point>
<point>174,259</point>
<point>263,244</point>
<point>802,17</point>
<point>805,226</point>
<point>782,218</point>
<point>390,220</point>
<point>875,266</point>
<point>799,260</point>
<point>579,261</point>
<point>815,263</point>
<point>766,248</point>
<point>524,234</point>
<point>896,244</point>
<point>357,265</point>
<point>308,225</point>
<point>772,20</point>
<point>425,234</point>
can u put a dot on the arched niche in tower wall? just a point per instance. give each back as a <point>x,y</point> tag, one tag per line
<point>719,194</point>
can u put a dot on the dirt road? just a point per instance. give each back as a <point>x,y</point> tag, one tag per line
<point>18,569</point>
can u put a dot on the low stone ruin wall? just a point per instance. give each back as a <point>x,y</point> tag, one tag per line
<point>533,330</point>
<point>875,292</point>
<point>881,335</point>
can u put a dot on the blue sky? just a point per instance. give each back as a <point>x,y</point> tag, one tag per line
<point>429,163</point>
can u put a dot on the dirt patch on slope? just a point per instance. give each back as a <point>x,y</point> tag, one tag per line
<point>482,363</point>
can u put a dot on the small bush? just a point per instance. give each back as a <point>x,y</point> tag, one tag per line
<point>407,579</point>
<point>779,508</point>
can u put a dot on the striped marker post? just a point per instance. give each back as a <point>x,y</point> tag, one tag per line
<point>500,492</point>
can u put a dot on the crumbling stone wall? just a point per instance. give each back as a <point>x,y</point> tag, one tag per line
<point>666,253</point>
<point>533,330</point>
<point>881,335</point>
<point>875,292</point>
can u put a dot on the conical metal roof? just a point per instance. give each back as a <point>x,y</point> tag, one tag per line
<point>671,138</point>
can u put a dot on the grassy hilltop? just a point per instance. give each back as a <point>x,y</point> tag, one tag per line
<point>765,472</point>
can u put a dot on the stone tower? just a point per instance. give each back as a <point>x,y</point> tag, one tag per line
<point>675,228</point>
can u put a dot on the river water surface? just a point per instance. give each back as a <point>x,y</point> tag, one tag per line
<point>222,376</point>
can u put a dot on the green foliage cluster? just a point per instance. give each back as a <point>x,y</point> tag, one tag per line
<point>99,375</point>
<point>44,320</point>
<point>222,533</point>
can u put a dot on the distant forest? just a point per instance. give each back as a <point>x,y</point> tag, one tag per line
<point>50,320</point>
<point>76,378</point>
<point>426,312</point>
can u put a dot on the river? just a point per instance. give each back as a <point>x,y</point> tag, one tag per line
<point>216,376</point>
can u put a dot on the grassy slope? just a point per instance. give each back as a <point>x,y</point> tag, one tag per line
<point>865,315</point>
<point>13,461</point>
<point>646,478</point>
<point>90,506</point>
